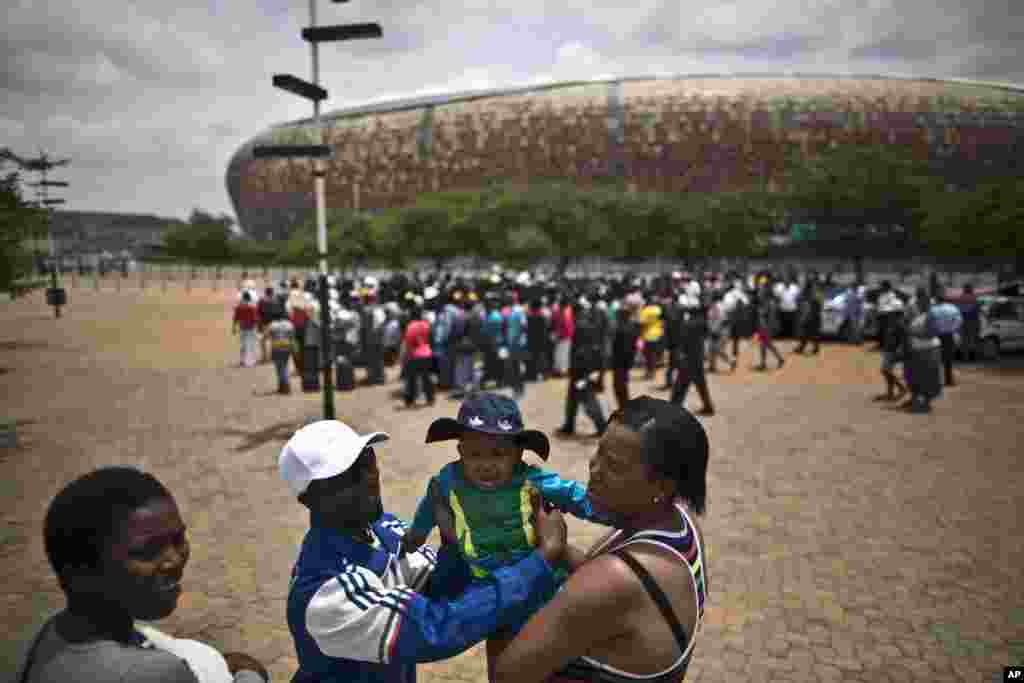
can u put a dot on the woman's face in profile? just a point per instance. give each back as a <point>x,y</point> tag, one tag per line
<point>620,481</point>
<point>146,559</point>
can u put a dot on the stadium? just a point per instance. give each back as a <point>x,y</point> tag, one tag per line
<point>694,133</point>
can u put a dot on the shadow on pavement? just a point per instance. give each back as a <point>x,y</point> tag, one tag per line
<point>280,432</point>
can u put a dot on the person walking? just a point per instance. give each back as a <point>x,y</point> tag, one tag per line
<point>788,294</point>
<point>738,314</point>
<point>563,325</point>
<point>537,338</point>
<point>371,329</point>
<point>266,306</point>
<point>462,346</point>
<point>515,344</point>
<point>494,341</point>
<point>584,363</point>
<point>418,359</point>
<point>893,349</point>
<point>673,313</point>
<point>244,323</point>
<point>971,328</point>
<point>311,349</point>
<point>624,340</point>
<point>767,321</point>
<point>296,309</point>
<point>887,309</point>
<point>854,310</point>
<point>718,329</point>
<point>922,368</point>
<point>282,339</point>
<point>810,317</point>
<point>945,320</point>
<point>652,331</point>
<point>692,331</point>
<point>440,330</point>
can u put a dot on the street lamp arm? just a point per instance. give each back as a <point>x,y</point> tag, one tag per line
<point>326,34</point>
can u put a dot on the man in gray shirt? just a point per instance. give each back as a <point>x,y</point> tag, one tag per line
<point>118,546</point>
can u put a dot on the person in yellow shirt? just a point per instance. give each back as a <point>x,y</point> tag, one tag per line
<point>652,331</point>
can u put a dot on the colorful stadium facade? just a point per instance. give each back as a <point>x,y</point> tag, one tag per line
<point>673,134</point>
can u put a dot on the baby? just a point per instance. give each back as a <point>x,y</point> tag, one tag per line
<point>488,490</point>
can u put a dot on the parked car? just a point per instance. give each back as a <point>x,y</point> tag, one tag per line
<point>1002,326</point>
<point>833,319</point>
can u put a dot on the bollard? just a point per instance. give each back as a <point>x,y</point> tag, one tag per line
<point>96,279</point>
<point>8,434</point>
<point>163,271</point>
<point>117,278</point>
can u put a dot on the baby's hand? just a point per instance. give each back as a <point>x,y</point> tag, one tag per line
<point>412,540</point>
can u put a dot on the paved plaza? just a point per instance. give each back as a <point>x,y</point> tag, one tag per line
<point>846,541</point>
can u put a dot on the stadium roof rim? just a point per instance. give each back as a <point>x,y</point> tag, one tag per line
<point>403,104</point>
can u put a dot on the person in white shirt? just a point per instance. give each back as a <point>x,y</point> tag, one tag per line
<point>789,297</point>
<point>733,303</point>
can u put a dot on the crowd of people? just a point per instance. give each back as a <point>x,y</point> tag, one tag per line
<point>368,599</point>
<point>460,335</point>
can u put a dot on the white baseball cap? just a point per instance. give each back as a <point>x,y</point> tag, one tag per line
<point>322,450</point>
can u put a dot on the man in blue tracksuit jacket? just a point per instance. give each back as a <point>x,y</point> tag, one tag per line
<point>359,610</point>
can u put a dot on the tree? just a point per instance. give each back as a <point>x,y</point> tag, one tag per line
<point>737,222</point>
<point>204,239</point>
<point>980,223</point>
<point>19,221</point>
<point>560,212</point>
<point>863,199</point>
<point>426,231</point>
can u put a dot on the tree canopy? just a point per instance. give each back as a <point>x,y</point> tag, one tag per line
<point>204,239</point>
<point>983,222</point>
<point>19,222</point>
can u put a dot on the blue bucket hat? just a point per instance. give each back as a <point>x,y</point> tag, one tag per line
<point>492,414</point>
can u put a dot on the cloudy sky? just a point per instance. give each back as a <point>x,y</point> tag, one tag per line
<point>150,98</point>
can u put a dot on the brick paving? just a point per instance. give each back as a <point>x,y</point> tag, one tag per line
<point>846,541</point>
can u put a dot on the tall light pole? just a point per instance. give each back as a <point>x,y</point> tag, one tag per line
<point>43,164</point>
<point>312,91</point>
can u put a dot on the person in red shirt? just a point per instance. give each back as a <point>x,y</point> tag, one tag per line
<point>246,319</point>
<point>419,361</point>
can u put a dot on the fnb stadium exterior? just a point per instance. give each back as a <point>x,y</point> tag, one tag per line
<point>673,134</point>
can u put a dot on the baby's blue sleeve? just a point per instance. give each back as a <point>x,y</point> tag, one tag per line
<point>566,494</point>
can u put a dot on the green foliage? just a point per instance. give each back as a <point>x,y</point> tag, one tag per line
<point>19,221</point>
<point>984,222</point>
<point>858,194</point>
<point>352,239</point>
<point>204,239</point>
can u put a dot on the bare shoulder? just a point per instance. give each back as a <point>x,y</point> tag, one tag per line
<point>604,579</point>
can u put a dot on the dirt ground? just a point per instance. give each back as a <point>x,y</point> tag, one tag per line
<point>845,541</point>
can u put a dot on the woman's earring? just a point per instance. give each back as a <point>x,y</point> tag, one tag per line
<point>656,500</point>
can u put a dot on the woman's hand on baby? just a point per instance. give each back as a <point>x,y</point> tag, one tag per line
<point>443,515</point>
<point>552,532</point>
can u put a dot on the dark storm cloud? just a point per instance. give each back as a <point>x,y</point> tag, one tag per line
<point>899,47</point>
<point>157,97</point>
